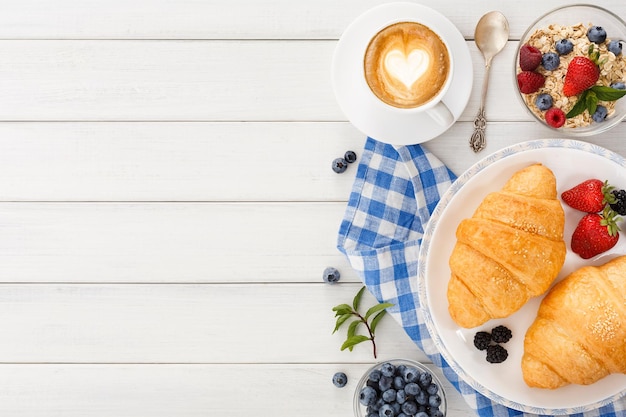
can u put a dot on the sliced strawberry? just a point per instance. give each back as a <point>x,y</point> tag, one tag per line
<point>529,81</point>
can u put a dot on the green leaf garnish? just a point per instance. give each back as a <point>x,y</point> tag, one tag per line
<point>345,312</point>
<point>605,93</point>
<point>579,107</point>
<point>589,99</point>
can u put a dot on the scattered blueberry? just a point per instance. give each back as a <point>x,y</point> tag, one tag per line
<point>331,275</point>
<point>543,101</point>
<point>350,157</point>
<point>368,396</point>
<point>618,85</point>
<point>550,61</point>
<point>564,46</point>
<point>615,47</point>
<point>596,34</point>
<point>340,165</point>
<point>340,379</point>
<point>600,114</point>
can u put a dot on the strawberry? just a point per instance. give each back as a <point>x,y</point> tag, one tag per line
<point>529,81</point>
<point>582,73</point>
<point>589,196</point>
<point>529,57</point>
<point>555,117</point>
<point>595,234</point>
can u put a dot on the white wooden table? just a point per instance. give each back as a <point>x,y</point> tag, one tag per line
<point>167,203</point>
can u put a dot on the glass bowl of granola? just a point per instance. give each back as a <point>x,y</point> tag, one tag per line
<point>570,71</point>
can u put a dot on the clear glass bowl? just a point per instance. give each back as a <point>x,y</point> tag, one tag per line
<point>361,411</point>
<point>569,16</point>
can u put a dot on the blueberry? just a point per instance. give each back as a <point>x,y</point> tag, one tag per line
<point>389,395</point>
<point>543,101</point>
<point>397,408</point>
<point>422,398</point>
<point>564,46</point>
<point>340,379</point>
<point>618,85</point>
<point>398,382</point>
<point>340,165</point>
<point>401,396</point>
<point>402,415</point>
<point>400,369</point>
<point>350,157</point>
<point>550,61</point>
<point>385,383</point>
<point>436,413</point>
<point>410,408</point>
<point>615,47</point>
<point>422,414</point>
<point>434,401</point>
<point>331,275</point>
<point>412,388</point>
<point>367,396</point>
<point>388,369</point>
<point>432,389</point>
<point>600,114</point>
<point>375,375</point>
<point>596,34</point>
<point>425,379</point>
<point>411,374</point>
<point>386,411</point>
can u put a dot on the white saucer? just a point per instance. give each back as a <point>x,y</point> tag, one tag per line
<point>361,107</point>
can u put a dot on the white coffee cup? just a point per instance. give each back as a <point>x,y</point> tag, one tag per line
<point>408,68</point>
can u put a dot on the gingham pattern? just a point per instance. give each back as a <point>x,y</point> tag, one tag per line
<point>380,235</point>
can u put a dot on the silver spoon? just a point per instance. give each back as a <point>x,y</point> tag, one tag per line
<point>491,35</point>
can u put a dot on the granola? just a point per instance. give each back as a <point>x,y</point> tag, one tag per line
<point>612,69</point>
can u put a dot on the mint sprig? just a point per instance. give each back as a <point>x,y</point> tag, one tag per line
<point>346,312</point>
<point>589,99</point>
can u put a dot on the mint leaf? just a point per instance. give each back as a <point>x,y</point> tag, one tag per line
<point>357,299</point>
<point>605,93</point>
<point>579,107</point>
<point>591,102</point>
<point>376,309</point>
<point>354,340</point>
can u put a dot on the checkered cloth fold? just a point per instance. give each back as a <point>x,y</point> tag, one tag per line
<point>380,235</point>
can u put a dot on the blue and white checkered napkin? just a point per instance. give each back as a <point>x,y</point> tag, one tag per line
<point>380,235</point>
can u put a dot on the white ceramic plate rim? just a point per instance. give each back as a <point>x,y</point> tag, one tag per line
<point>360,106</point>
<point>503,383</point>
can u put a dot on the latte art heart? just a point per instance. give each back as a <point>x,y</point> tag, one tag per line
<point>406,65</point>
<point>407,69</point>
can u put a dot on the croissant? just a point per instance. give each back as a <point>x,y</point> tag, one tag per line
<point>510,250</point>
<point>579,335</point>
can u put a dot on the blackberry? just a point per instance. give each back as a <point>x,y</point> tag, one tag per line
<point>496,354</point>
<point>620,202</point>
<point>501,334</point>
<point>482,340</point>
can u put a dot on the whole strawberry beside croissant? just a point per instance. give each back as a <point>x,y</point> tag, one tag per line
<point>597,231</point>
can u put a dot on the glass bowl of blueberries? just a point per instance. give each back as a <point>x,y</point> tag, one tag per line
<point>570,70</point>
<point>399,387</point>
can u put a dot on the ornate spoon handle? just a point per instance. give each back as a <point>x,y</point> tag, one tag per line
<point>478,141</point>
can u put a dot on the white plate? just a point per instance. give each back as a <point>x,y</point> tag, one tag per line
<point>572,162</point>
<point>361,107</point>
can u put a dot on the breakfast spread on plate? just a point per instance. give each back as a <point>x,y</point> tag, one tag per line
<point>579,333</point>
<point>571,75</point>
<point>510,250</point>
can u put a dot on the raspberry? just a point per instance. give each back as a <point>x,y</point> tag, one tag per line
<point>501,334</point>
<point>482,340</point>
<point>529,58</point>
<point>555,117</point>
<point>496,354</point>
<point>529,81</point>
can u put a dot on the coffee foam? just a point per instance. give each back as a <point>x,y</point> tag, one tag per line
<point>406,64</point>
